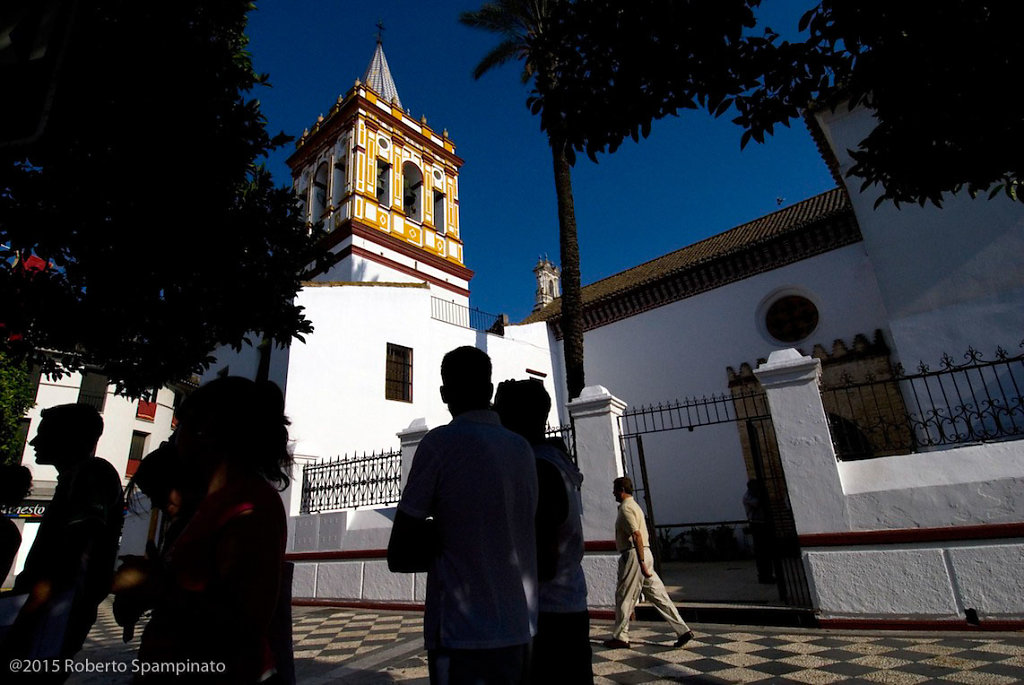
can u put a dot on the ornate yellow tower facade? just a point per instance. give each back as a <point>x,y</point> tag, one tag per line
<point>383,189</point>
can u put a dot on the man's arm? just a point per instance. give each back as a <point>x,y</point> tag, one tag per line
<point>638,545</point>
<point>634,520</point>
<point>412,545</point>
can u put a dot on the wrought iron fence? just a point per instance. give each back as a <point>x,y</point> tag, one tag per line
<point>467,317</point>
<point>692,412</point>
<point>567,434</point>
<point>974,400</point>
<point>349,482</point>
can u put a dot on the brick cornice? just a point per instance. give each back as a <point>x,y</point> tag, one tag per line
<point>342,116</point>
<point>358,229</point>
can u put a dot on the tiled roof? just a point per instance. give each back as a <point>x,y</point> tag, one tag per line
<point>819,224</point>
<point>378,76</point>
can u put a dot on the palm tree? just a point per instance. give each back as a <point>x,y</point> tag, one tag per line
<point>522,24</point>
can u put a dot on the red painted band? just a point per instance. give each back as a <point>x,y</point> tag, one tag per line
<point>994,531</point>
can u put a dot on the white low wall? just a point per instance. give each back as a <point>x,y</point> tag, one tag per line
<point>929,581</point>
<point>922,537</point>
<point>339,557</point>
<point>969,485</point>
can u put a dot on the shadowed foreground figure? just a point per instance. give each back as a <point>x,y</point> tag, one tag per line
<point>466,517</point>
<point>73,555</point>
<point>15,484</point>
<point>215,594</point>
<point>561,649</point>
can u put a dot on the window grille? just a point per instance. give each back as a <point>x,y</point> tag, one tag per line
<point>398,380</point>
<point>93,390</point>
<point>136,452</point>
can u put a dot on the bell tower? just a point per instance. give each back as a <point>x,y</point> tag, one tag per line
<point>382,189</point>
<point>548,283</point>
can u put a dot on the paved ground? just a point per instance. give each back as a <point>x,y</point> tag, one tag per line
<point>363,647</point>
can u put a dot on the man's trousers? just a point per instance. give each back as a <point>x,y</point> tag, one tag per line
<point>631,582</point>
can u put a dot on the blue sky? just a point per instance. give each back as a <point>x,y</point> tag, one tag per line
<point>687,181</point>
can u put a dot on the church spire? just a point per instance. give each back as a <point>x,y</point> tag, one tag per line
<point>378,74</point>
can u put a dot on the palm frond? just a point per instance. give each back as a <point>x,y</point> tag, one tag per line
<point>506,51</point>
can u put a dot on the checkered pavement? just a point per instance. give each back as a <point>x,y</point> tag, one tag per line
<point>731,654</point>
<point>364,647</point>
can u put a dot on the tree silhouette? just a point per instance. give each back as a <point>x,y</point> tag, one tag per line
<point>140,230</point>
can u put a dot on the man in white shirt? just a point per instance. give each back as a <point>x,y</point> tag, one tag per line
<point>466,517</point>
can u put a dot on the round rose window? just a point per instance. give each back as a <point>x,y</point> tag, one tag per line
<point>791,318</point>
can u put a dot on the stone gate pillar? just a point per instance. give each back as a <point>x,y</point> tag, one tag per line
<point>595,415</point>
<point>805,444</point>
<point>410,439</point>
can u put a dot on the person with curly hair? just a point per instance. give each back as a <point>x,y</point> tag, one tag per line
<point>217,592</point>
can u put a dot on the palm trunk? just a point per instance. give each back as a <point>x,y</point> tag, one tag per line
<point>572,306</point>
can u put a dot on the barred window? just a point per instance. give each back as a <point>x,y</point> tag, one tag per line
<point>398,379</point>
<point>136,452</point>
<point>93,390</point>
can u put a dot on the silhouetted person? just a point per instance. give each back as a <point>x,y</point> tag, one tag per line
<point>466,517</point>
<point>76,545</point>
<point>636,573</point>
<point>561,648</point>
<point>15,483</point>
<point>173,494</point>
<point>755,503</point>
<point>217,593</point>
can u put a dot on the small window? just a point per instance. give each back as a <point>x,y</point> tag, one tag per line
<point>340,170</point>
<point>93,390</point>
<point>319,195</point>
<point>412,191</point>
<point>302,195</point>
<point>439,211</point>
<point>136,452</point>
<point>791,318</point>
<point>398,381</point>
<point>383,183</point>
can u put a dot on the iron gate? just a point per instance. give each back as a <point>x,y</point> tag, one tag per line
<point>749,411</point>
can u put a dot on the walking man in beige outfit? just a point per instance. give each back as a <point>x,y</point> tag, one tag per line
<point>636,572</point>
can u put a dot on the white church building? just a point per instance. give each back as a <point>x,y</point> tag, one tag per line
<point>688,354</point>
<point>748,354</point>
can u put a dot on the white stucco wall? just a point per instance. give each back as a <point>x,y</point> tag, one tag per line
<point>682,350</point>
<point>335,382</point>
<point>968,485</point>
<point>355,268</point>
<point>950,278</point>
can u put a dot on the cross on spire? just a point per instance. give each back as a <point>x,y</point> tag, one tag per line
<point>380,30</point>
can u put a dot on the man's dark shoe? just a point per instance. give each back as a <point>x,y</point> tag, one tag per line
<point>684,638</point>
<point>616,644</point>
